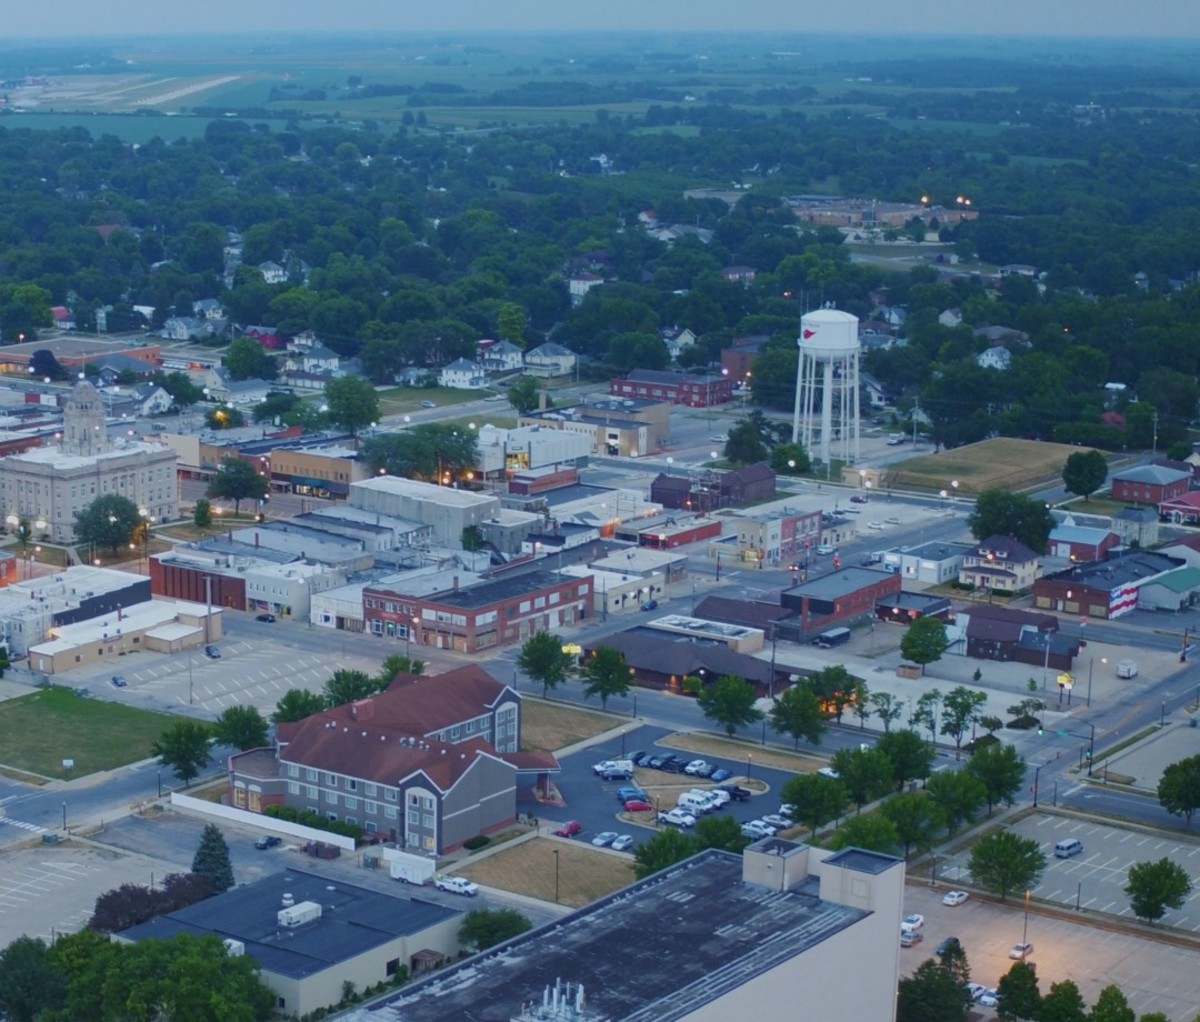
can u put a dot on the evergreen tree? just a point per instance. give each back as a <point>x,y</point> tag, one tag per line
<point>211,862</point>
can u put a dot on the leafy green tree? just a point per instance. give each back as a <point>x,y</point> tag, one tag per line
<point>1020,998</point>
<point>203,515</point>
<point>957,794</point>
<point>523,394</point>
<point>722,832</point>
<point>348,687</point>
<point>29,983</point>
<point>224,417</point>
<point>961,707</point>
<point>931,994</point>
<point>5,662</point>
<point>1003,862</point>
<point>510,323</point>
<point>425,451</point>
<point>1111,1006</point>
<point>1084,473</point>
<point>605,674</point>
<point>184,747</point>
<point>730,703</point>
<point>790,459</point>
<point>24,309</point>
<point>916,819</point>
<point>745,445</point>
<point>1154,887</point>
<point>925,712</point>
<point>887,708</point>
<point>297,704</point>
<point>108,521</point>
<point>44,364</point>
<point>875,832</point>
<point>485,928</point>
<point>797,712</point>
<point>924,641</point>
<point>860,702</point>
<point>1063,1003</point>
<point>834,686</point>
<point>818,799</point>
<point>911,757</point>
<point>237,480</point>
<point>954,961</point>
<point>353,403</point>
<point>1000,770</point>
<point>211,861</point>
<point>999,512</point>
<point>544,661</point>
<point>1179,788</point>
<point>666,848</point>
<point>866,774</point>
<point>184,393</point>
<point>246,359</point>
<point>243,727</point>
<point>397,663</point>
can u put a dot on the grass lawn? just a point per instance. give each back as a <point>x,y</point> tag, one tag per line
<point>397,400</point>
<point>1004,461</point>
<point>584,873</point>
<point>39,731</point>
<point>548,727</point>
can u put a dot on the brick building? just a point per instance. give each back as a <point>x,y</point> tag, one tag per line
<point>842,596</point>
<point>674,388</point>
<point>1150,484</point>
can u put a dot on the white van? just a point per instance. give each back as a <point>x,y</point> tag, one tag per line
<point>694,804</point>
<point>1127,669</point>
<point>1065,849</point>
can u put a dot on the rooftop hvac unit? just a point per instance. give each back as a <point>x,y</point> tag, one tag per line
<point>298,915</point>
<point>234,948</point>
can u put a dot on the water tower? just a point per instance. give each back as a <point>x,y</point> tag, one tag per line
<point>827,386</point>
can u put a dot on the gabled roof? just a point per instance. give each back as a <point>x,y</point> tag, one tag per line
<point>460,365</point>
<point>680,484</point>
<point>550,350</point>
<point>750,473</point>
<point>1006,548</point>
<point>1154,475</point>
<point>1181,581</point>
<point>682,656</point>
<point>1079,534</point>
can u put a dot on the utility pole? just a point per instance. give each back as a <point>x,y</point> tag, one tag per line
<point>1154,435</point>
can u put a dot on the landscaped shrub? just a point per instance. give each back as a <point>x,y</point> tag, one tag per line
<point>473,844</point>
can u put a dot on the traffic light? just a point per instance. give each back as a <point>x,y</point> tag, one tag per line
<point>1039,729</point>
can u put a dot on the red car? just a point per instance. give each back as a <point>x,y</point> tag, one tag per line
<point>569,829</point>
<point>636,805</point>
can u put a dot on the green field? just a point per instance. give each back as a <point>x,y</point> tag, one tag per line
<point>39,731</point>
<point>398,400</point>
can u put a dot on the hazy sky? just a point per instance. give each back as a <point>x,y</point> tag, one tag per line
<point>75,18</point>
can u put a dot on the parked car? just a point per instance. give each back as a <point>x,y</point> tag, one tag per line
<point>604,838</point>
<point>622,843</point>
<point>990,998</point>
<point>638,805</point>
<point>428,404</point>
<point>955,897</point>
<point>877,526</point>
<point>719,438</point>
<point>913,922</point>
<point>858,498</point>
<point>677,818</point>
<point>694,767</point>
<point>788,810</point>
<point>825,549</point>
<point>720,796</point>
<point>118,682</point>
<point>268,841</point>
<point>777,821</point>
<point>655,762</point>
<point>706,771</point>
<point>212,652</point>
<point>650,605</point>
<point>569,829</point>
<point>829,772</point>
<point>757,829</point>
<point>910,938</point>
<point>625,794</point>
<point>892,521</point>
<point>674,765</point>
<point>1019,952</point>
<point>457,885</point>
<point>636,757</point>
<point>268,618</point>
<point>946,945</point>
<point>603,765</point>
<point>737,793</point>
<point>721,774</point>
<point>617,773</point>
<point>976,990</point>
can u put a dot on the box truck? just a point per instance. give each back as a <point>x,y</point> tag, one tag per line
<point>411,869</point>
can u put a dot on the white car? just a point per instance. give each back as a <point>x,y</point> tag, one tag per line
<point>976,990</point>
<point>788,810</point>
<point>721,798</point>
<point>604,766</point>
<point>778,821</point>
<point>604,838</point>
<point>825,549</point>
<point>955,897</point>
<point>877,526</point>
<point>677,818</point>
<point>990,998</point>
<point>457,885</point>
<point>757,829</point>
<point>623,843</point>
<point>830,773</point>
<point>913,922</point>
<point>695,766</point>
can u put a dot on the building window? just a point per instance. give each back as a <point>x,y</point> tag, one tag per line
<point>351,784</point>
<point>389,812</point>
<point>351,802</point>
<point>311,775</point>
<point>331,817</point>
<point>331,780</point>
<point>370,790</point>
<point>414,817</point>
<point>428,822</point>
<point>293,787</point>
<point>372,808</point>
<point>389,794</point>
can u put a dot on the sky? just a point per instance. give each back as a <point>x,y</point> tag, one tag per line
<point>73,19</point>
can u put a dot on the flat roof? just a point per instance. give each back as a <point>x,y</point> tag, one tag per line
<point>500,589</point>
<point>1120,569</point>
<point>58,458</point>
<point>838,583</point>
<point>414,489</point>
<point>353,920</point>
<point>722,933</point>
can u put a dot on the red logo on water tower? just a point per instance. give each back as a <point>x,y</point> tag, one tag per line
<point>807,333</point>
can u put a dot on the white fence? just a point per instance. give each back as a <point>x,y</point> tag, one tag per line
<point>243,816</point>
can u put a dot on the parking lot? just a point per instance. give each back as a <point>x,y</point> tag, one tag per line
<point>593,802</point>
<point>1096,877</point>
<point>1153,976</point>
<point>254,673</point>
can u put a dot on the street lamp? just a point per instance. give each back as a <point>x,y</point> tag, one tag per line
<point>1037,773</point>
<point>1025,928</point>
<point>1091,664</point>
<point>555,876</point>
<point>749,757</point>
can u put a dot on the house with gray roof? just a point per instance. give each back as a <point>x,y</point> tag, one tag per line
<point>1150,484</point>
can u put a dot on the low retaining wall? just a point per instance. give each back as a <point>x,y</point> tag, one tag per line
<point>243,816</point>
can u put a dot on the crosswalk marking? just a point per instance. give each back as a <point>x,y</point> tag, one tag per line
<point>22,824</point>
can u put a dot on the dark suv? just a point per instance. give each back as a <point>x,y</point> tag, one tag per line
<point>946,945</point>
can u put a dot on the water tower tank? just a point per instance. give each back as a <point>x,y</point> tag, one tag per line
<point>828,333</point>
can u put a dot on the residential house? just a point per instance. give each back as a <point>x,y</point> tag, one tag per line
<point>267,336</point>
<point>272,272</point>
<point>1136,526</point>
<point>993,632</point>
<point>1150,484</point>
<point>184,328</point>
<point>951,318</point>
<point>462,375</point>
<point>500,356</point>
<point>1000,564</point>
<point>221,387</point>
<point>550,360</point>
<point>677,340</point>
<point>874,394</point>
<point>692,390</point>
<point>64,318</point>
<point>743,275</point>
<point>580,284</point>
<point>150,399</point>
<point>1076,543</point>
<point>995,357</point>
<point>207,308</point>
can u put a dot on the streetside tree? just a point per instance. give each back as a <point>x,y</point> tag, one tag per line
<point>931,994</point>
<point>875,832</point>
<point>666,848</point>
<point>297,704</point>
<point>1001,771</point>
<point>605,674</point>
<point>797,712</point>
<point>397,663</point>
<point>1111,1006</point>
<point>211,862</point>
<point>184,747</point>
<point>544,661</point>
<point>243,727</point>
<point>348,687</point>
<point>887,708</point>
<point>924,642</point>
<point>866,774</point>
<point>523,394</point>
<point>1020,998</point>
<point>1179,788</point>
<point>835,686</point>
<point>1084,473</point>
<point>237,480</point>
<point>353,403</point>
<point>1064,1003</point>
<point>108,521</point>
<point>1003,862</point>
<point>1154,887</point>
<point>745,445</point>
<point>817,798</point>
<point>999,512</point>
<point>925,712</point>
<point>910,755</point>
<point>916,819</point>
<point>246,359</point>
<point>958,795</point>
<point>962,707</point>
<point>723,832</point>
<point>730,703</point>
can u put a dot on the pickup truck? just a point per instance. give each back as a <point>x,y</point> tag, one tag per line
<point>677,818</point>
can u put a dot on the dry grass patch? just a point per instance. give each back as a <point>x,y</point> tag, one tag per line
<point>1003,461</point>
<point>584,873</point>
<point>548,727</point>
<point>710,745</point>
